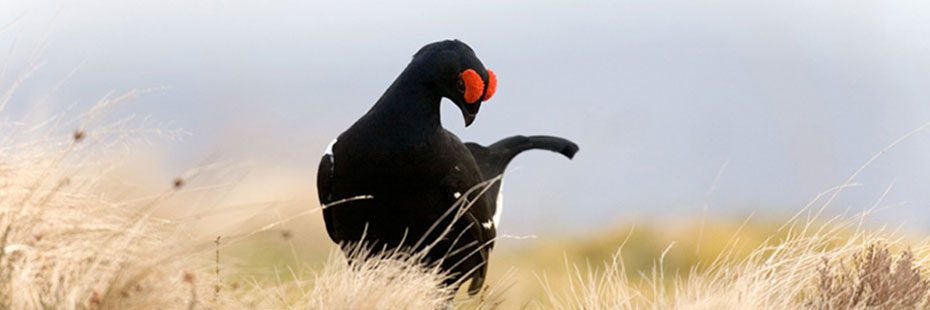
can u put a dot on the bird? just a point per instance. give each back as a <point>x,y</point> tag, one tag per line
<point>391,180</point>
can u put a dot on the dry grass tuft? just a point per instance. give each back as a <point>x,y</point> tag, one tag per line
<point>392,281</point>
<point>65,245</point>
<point>875,279</point>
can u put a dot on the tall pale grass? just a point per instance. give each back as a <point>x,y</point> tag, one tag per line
<point>824,269</point>
<point>64,243</point>
<point>393,280</point>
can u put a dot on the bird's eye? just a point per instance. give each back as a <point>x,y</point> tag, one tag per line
<point>461,86</point>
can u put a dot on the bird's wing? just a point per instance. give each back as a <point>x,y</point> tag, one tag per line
<point>479,209</point>
<point>324,179</point>
<point>478,218</point>
<point>488,162</point>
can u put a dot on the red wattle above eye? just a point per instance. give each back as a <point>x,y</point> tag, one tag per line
<point>492,86</point>
<point>473,85</point>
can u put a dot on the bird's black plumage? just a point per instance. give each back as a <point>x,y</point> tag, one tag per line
<point>408,171</point>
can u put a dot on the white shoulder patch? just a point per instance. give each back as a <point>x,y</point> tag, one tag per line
<point>488,224</point>
<point>328,154</point>
<point>499,205</point>
<point>329,148</point>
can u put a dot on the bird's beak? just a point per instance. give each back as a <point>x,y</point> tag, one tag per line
<point>469,112</point>
<point>469,119</point>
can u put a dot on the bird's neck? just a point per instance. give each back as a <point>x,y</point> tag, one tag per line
<point>410,104</point>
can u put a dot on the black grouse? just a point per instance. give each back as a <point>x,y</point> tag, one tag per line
<point>396,172</point>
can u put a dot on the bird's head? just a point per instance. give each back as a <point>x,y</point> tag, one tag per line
<point>456,73</point>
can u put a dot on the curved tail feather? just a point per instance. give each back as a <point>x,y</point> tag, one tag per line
<point>494,159</point>
<point>517,144</point>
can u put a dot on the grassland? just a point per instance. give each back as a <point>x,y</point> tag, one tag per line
<point>79,229</point>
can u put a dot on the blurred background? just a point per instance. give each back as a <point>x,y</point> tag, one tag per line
<point>685,111</point>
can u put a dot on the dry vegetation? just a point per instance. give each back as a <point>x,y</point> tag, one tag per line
<point>826,269</point>
<point>67,242</point>
<point>64,243</point>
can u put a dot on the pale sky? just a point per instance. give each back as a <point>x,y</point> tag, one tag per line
<point>775,100</point>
